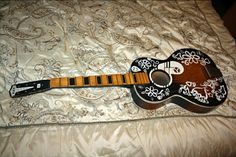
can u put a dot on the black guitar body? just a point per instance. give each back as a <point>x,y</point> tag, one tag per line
<point>188,78</point>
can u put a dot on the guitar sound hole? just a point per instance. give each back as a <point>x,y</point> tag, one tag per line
<point>160,78</point>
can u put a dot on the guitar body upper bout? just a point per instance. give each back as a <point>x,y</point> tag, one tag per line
<point>188,78</point>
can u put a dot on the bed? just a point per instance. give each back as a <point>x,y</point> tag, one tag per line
<point>47,39</point>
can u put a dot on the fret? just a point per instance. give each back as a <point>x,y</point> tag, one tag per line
<point>127,78</point>
<point>86,80</point>
<point>131,76</point>
<point>99,81</point>
<point>138,78</point>
<point>135,77</point>
<point>102,80</point>
<point>109,79</point>
<point>146,78</point>
<point>72,81</point>
<point>123,79</point>
<point>143,77</point>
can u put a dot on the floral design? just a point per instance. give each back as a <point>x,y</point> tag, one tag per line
<point>204,61</point>
<point>155,93</point>
<point>192,57</point>
<point>144,64</point>
<point>150,91</point>
<point>220,93</point>
<point>204,91</point>
<point>147,63</point>
<point>190,89</point>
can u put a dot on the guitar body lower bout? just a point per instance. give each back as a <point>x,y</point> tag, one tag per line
<point>190,106</point>
<point>191,80</point>
<point>186,104</point>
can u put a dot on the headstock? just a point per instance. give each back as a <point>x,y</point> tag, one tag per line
<point>23,89</point>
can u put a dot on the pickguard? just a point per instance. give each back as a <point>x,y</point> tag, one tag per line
<point>171,67</point>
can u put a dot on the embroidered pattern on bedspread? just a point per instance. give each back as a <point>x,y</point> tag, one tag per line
<point>44,39</point>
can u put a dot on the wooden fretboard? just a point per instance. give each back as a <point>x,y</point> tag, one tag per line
<point>27,88</point>
<point>100,80</point>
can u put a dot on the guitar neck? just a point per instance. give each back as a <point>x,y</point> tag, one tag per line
<point>27,88</point>
<point>100,80</point>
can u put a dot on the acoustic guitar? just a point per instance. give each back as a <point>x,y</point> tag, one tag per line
<point>188,78</point>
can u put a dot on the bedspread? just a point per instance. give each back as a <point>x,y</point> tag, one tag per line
<point>46,39</point>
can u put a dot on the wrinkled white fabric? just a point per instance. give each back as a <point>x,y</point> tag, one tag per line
<point>208,137</point>
<point>46,39</point>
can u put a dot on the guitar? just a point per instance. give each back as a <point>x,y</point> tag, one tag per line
<point>188,78</point>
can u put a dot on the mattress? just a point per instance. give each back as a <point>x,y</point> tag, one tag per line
<point>47,39</point>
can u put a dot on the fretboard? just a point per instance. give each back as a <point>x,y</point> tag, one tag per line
<point>100,80</point>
